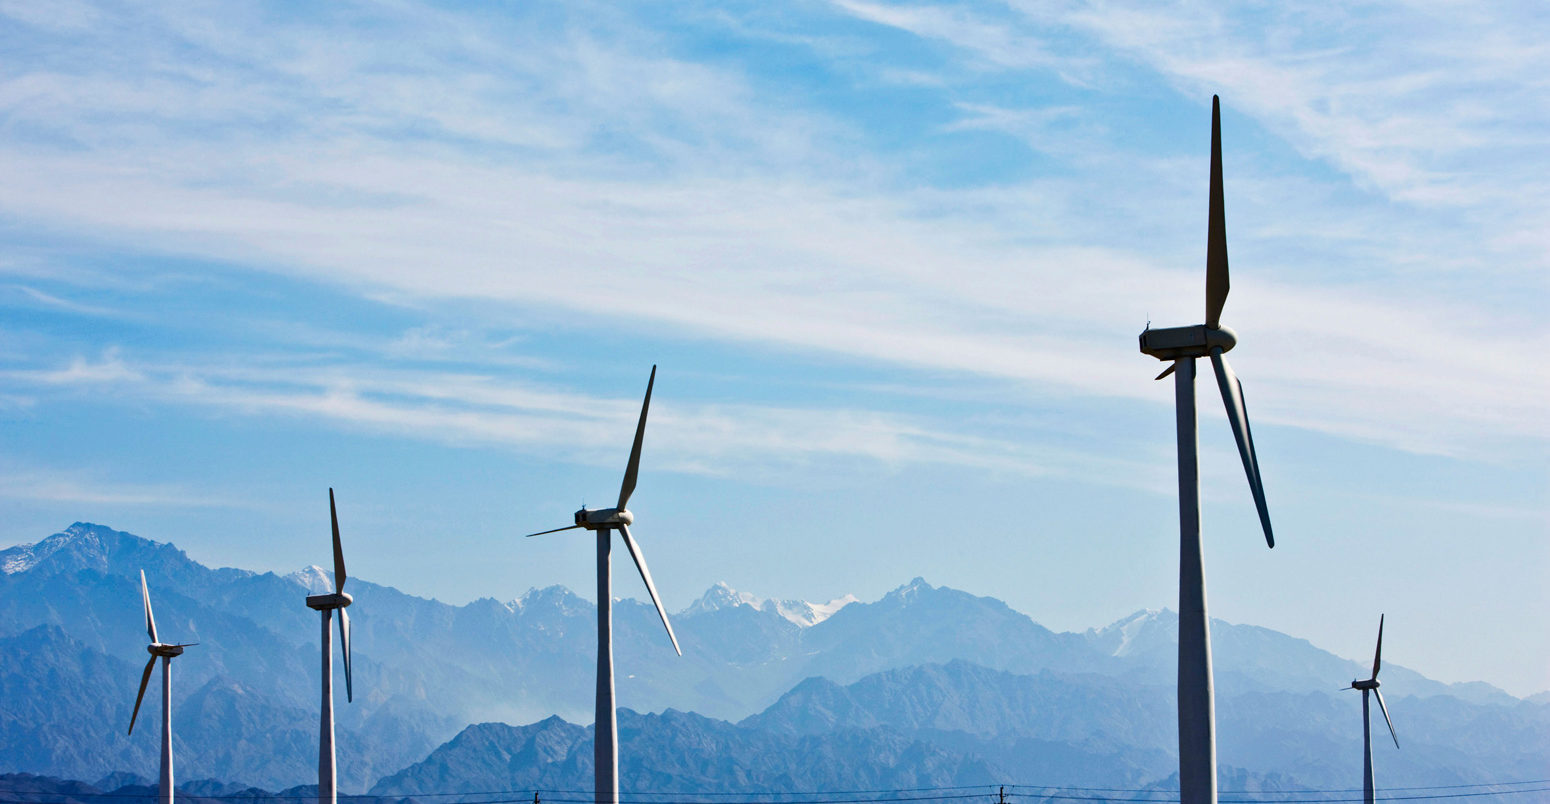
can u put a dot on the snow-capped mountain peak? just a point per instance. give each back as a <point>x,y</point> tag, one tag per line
<point>804,613</point>
<point>720,596</point>
<point>798,612</point>
<point>1122,637</point>
<point>315,579</point>
<point>911,590</point>
<point>554,597</point>
<point>82,537</point>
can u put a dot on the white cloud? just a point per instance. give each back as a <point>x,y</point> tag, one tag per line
<point>716,215</point>
<point>34,484</point>
<point>1435,107</point>
<point>996,43</point>
<point>479,410</point>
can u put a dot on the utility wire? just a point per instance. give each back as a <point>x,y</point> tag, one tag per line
<point>1060,793</point>
<point>809,794</point>
<point>1267,792</point>
<point>1380,797</point>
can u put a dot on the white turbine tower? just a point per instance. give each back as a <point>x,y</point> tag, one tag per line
<point>325,605</point>
<point>604,521</point>
<point>1181,346</point>
<point>1371,686</point>
<point>165,653</point>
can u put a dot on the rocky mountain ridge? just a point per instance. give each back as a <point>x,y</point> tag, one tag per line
<point>71,646</point>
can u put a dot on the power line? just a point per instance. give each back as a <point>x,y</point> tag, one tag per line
<point>1426,797</point>
<point>1254,792</point>
<point>525,793</point>
<point>943,793</point>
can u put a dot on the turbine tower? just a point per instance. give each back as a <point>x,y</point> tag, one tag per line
<point>1180,346</point>
<point>603,521</point>
<point>325,605</point>
<point>165,653</point>
<point>1371,686</point>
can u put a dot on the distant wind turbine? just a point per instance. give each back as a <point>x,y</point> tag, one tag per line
<point>1181,346</point>
<point>325,605</point>
<point>1371,686</point>
<point>605,751</point>
<point>165,653</point>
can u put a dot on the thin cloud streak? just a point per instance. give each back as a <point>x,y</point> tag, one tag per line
<point>35,484</point>
<point>720,219</point>
<point>477,410</point>
<point>931,293</point>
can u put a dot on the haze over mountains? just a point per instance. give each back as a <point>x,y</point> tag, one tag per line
<point>926,685</point>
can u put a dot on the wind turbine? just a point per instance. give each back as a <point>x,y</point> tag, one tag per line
<point>603,521</point>
<point>1371,686</point>
<point>1181,346</point>
<point>165,652</point>
<point>325,605</point>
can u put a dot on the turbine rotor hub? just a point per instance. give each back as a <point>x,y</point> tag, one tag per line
<point>1199,340</point>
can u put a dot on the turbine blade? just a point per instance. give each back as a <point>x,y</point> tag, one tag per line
<point>556,530</point>
<point>150,619</point>
<point>645,575</point>
<point>339,576</point>
<point>1166,371</point>
<point>1377,655</point>
<point>1216,234</point>
<point>1238,416</point>
<point>344,646</point>
<point>145,678</point>
<point>633,467</point>
<point>1385,709</point>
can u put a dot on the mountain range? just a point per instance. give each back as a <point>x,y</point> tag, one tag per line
<point>927,685</point>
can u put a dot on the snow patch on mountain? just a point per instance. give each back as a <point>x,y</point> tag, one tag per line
<point>18,559</point>
<point>910,591</point>
<point>798,612</point>
<point>81,536</point>
<point>815,613</point>
<point>314,579</point>
<point>554,597</point>
<point>1123,636</point>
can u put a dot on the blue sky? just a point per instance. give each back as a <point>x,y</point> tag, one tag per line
<point>891,257</point>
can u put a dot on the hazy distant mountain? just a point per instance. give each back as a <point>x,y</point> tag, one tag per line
<point>1056,728</point>
<point>1250,658</point>
<point>964,676</point>
<point>684,752</point>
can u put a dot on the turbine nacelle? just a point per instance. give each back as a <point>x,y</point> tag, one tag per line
<point>601,518</point>
<point>333,600</point>
<point>1365,684</point>
<point>168,651</point>
<point>1199,340</point>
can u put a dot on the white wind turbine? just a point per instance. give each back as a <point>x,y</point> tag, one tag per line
<point>325,605</point>
<point>1370,685</point>
<point>603,521</point>
<point>165,652</point>
<point>1181,346</point>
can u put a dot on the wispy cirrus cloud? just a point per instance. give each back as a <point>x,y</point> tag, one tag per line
<point>1435,106</point>
<point>47,484</point>
<point>673,195</point>
<point>990,40</point>
<point>471,409</point>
